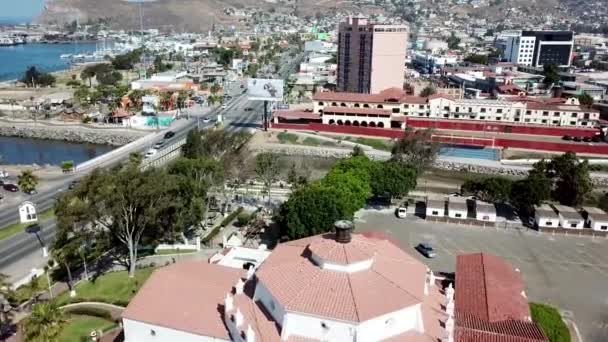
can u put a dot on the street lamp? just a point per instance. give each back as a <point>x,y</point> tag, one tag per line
<point>35,229</point>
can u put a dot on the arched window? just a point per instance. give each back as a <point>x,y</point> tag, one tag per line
<point>340,122</point>
<point>380,106</point>
<point>363,124</point>
<point>347,122</point>
<point>342,104</point>
<point>356,123</point>
<point>381,124</point>
<point>372,124</point>
<point>365,105</point>
<point>334,104</point>
<point>357,105</point>
<point>331,122</point>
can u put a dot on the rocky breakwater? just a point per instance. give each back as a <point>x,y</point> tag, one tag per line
<point>77,134</point>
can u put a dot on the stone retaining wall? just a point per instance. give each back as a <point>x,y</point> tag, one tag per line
<point>75,134</point>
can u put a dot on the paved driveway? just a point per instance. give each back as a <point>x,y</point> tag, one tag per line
<point>568,272</point>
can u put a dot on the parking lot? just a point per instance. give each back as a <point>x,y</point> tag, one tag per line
<point>568,272</point>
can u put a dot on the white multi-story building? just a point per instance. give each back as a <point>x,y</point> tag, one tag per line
<point>333,287</point>
<point>391,107</point>
<point>538,48</point>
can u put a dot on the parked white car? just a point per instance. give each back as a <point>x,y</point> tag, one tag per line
<point>401,212</point>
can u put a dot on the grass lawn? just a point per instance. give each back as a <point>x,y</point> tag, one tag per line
<point>25,292</point>
<point>378,144</point>
<point>78,327</point>
<point>287,138</point>
<point>175,251</point>
<point>16,228</point>
<point>114,287</point>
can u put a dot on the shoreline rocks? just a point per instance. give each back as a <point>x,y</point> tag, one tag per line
<point>71,134</point>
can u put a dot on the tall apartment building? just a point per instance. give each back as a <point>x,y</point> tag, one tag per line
<point>371,57</point>
<point>537,48</point>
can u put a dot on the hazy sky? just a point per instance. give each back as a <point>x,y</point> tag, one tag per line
<point>20,8</point>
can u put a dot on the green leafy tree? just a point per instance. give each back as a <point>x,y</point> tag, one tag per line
<point>311,210</point>
<point>34,78</point>
<point>123,208</point>
<point>393,178</point>
<point>45,323</point>
<point>27,181</point>
<point>88,73</point>
<point>491,189</point>
<point>128,60</point>
<point>357,151</point>
<point>477,59</point>
<point>417,149</point>
<point>268,168</point>
<point>428,91</point>
<point>215,88</point>
<point>570,177</point>
<point>585,100</point>
<point>531,191</point>
<point>551,75</point>
<point>453,42</point>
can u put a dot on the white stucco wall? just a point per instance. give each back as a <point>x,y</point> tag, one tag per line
<point>542,221</point>
<point>598,225</point>
<point>391,324</point>
<point>485,216</point>
<point>453,214</point>
<point>430,210</point>
<point>270,303</point>
<point>136,331</point>
<point>317,328</point>
<point>571,223</point>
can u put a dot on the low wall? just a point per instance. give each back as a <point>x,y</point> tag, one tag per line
<point>594,148</point>
<point>496,127</point>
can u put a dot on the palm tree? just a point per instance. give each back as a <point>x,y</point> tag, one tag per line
<point>27,181</point>
<point>45,323</point>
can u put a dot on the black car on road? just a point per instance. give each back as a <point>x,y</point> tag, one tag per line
<point>169,135</point>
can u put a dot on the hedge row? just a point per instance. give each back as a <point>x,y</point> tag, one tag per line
<point>223,224</point>
<point>550,321</point>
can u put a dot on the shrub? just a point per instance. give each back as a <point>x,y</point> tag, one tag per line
<point>243,218</point>
<point>90,311</point>
<point>287,138</point>
<point>550,321</point>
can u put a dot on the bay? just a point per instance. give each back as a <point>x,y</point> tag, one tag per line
<point>14,60</point>
<point>37,151</point>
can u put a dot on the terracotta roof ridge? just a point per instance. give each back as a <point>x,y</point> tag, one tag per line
<point>395,284</point>
<point>352,294</point>
<point>485,287</point>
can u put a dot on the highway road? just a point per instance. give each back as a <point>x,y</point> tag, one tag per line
<point>20,253</point>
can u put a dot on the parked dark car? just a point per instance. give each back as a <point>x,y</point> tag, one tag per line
<point>578,139</point>
<point>426,250</point>
<point>73,184</point>
<point>10,187</point>
<point>248,109</point>
<point>169,135</point>
<point>587,139</point>
<point>596,138</point>
<point>567,137</point>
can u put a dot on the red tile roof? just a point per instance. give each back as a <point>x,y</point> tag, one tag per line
<point>355,110</point>
<point>295,114</point>
<point>185,296</point>
<point>489,300</point>
<point>489,288</point>
<point>472,329</point>
<point>394,281</point>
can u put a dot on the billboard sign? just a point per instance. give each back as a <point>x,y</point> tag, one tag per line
<point>259,89</point>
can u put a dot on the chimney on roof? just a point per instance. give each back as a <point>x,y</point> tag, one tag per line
<point>343,231</point>
<point>228,303</point>
<point>238,288</point>
<point>238,318</point>
<point>250,334</point>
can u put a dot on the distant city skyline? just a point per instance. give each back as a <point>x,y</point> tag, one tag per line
<point>20,10</point>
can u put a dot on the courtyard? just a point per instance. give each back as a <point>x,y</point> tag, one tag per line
<point>568,272</point>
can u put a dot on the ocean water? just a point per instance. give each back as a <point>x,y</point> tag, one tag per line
<point>14,60</point>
